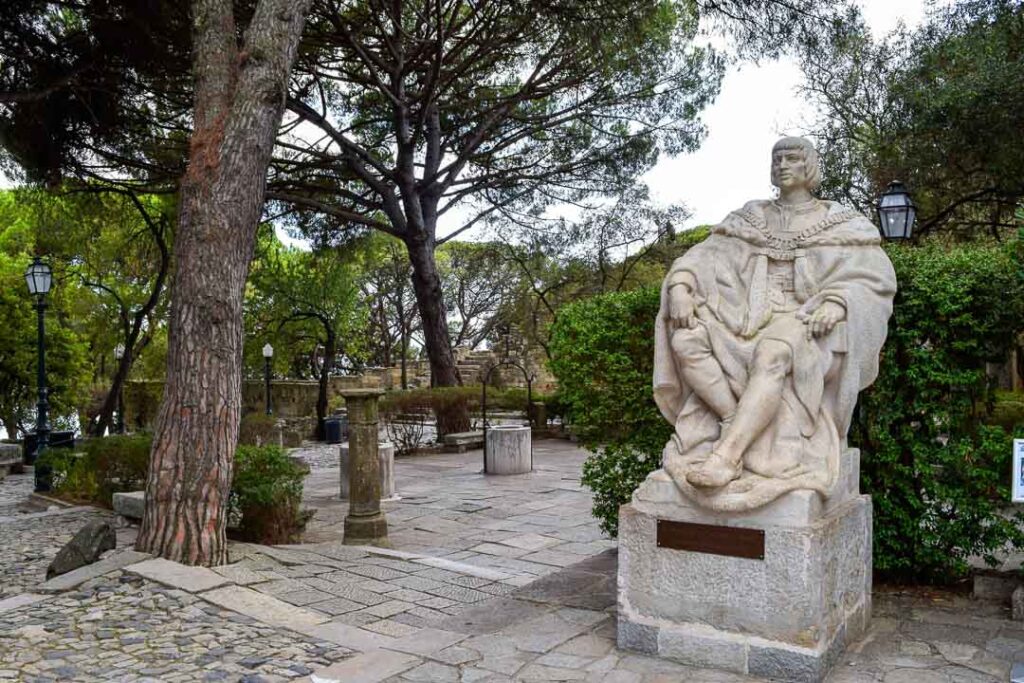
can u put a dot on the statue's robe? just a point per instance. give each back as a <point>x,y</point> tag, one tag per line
<point>838,259</point>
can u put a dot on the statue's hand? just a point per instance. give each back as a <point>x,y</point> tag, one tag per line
<point>824,320</point>
<point>681,307</point>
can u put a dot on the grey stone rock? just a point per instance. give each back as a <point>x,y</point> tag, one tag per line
<point>77,577</point>
<point>84,548</point>
<point>131,504</point>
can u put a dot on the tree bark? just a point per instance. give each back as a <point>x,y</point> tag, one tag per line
<point>239,99</point>
<point>426,284</point>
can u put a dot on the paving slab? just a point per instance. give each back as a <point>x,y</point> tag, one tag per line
<point>76,577</point>
<point>464,568</point>
<point>427,641</point>
<point>351,637</point>
<point>240,575</point>
<point>368,667</point>
<point>492,615</point>
<point>20,600</point>
<point>265,608</point>
<point>175,575</point>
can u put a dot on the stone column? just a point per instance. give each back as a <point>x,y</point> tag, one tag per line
<point>365,523</point>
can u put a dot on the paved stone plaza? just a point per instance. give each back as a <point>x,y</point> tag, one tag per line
<point>491,579</point>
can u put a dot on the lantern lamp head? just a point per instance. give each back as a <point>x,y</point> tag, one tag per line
<point>896,212</point>
<point>39,277</point>
<point>268,350</point>
<point>119,351</point>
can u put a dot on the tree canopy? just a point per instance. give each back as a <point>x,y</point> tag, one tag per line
<point>939,108</point>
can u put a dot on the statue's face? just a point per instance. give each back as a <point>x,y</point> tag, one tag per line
<point>790,170</point>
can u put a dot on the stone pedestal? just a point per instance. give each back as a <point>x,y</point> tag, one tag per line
<point>365,523</point>
<point>786,616</point>
<point>386,455</point>
<point>509,450</point>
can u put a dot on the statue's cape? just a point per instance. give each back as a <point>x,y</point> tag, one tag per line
<point>838,259</point>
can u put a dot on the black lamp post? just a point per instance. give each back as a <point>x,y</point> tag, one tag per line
<point>119,354</point>
<point>268,353</point>
<point>39,278</point>
<point>896,212</point>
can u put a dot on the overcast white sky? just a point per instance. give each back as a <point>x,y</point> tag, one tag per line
<point>757,105</point>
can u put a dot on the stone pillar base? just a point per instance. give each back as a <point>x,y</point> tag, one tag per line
<point>786,617</point>
<point>366,530</point>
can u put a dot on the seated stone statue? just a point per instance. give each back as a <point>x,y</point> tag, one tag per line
<point>768,330</point>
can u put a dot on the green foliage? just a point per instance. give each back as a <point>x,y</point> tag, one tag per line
<point>257,429</point>
<point>267,492</point>
<point>445,398</point>
<point>620,247</point>
<point>935,468</point>
<point>66,350</point>
<point>939,107</point>
<point>602,355</point>
<point>937,472</point>
<point>100,467</point>
<point>297,300</point>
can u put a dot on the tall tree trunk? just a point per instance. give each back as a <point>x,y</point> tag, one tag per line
<point>426,283</point>
<point>405,355</point>
<point>105,417</point>
<point>133,328</point>
<point>239,99</point>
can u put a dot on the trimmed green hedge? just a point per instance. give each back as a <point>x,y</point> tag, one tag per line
<point>936,469</point>
<point>603,358</point>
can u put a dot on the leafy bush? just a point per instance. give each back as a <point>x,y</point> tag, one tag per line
<point>257,429</point>
<point>120,463</point>
<point>267,492</point>
<point>603,358</point>
<point>936,470</point>
<point>934,466</point>
<point>99,468</point>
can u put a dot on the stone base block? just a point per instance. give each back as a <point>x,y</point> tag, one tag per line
<point>786,617</point>
<point>366,530</point>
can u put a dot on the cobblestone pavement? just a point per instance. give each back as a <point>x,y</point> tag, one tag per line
<point>122,628</point>
<point>490,580</point>
<point>14,492</point>
<point>525,525</point>
<point>28,543</point>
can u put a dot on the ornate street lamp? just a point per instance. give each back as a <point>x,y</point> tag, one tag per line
<point>896,212</point>
<point>39,278</point>
<point>119,354</point>
<point>268,353</point>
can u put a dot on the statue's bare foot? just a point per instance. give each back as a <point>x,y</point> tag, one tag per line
<point>717,471</point>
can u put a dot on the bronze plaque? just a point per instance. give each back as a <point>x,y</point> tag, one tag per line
<point>714,540</point>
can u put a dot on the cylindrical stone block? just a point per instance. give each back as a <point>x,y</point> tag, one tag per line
<point>509,450</point>
<point>386,456</point>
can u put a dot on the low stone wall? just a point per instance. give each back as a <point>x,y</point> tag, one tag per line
<point>289,398</point>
